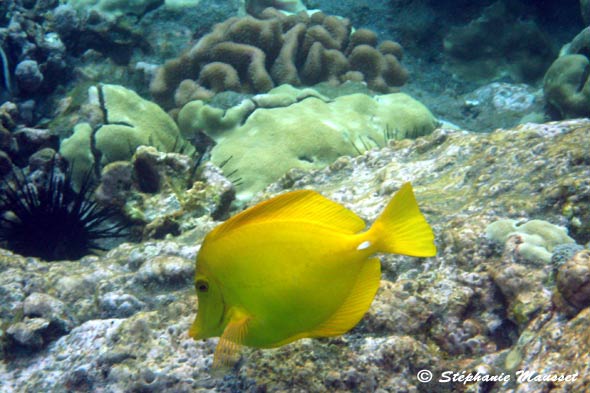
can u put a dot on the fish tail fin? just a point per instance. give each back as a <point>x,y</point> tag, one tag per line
<point>402,229</point>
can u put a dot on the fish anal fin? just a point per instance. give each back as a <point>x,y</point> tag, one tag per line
<point>304,206</point>
<point>356,304</point>
<point>227,350</point>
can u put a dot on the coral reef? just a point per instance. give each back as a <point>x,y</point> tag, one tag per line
<point>146,168</point>
<point>198,115</point>
<point>103,32</point>
<point>255,55</point>
<point>566,86</point>
<point>578,45</point>
<point>118,320</point>
<point>121,319</point>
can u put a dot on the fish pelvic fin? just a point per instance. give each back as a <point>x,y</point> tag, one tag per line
<point>227,350</point>
<point>401,228</point>
<point>356,303</point>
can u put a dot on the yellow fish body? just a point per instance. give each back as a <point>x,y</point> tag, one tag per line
<point>298,265</point>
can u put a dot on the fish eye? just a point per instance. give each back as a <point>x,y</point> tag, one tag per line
<point>202,286</point>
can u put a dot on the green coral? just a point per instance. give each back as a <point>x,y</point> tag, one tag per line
<point>285,95</point>
<point>197,115</point>
<point>311,134</point>
<point>129,122</point>
<point>77,150</point>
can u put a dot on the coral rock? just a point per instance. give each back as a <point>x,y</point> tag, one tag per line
<point>29,333</point>
<point>41,305</point>
<point>115,184</point>
<point>28,75</point>
<point>573,280</point>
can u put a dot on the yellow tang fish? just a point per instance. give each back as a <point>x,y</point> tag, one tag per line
<point>298,265</point>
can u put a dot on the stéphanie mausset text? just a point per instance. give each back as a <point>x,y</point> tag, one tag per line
<point>522,376</point>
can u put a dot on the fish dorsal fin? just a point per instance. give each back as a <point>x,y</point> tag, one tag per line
<point>355,305</point>
<point>296,206</point>
<point>230,341</point>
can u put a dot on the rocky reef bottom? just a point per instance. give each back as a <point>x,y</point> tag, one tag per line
<point>502,307</point>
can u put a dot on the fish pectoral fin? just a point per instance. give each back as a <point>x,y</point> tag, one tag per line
<point>230,341</point>
<point>356,303</point>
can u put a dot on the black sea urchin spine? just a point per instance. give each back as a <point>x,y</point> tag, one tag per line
<point>52,221</point>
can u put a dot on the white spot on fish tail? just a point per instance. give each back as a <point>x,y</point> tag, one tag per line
<point>364,245</point>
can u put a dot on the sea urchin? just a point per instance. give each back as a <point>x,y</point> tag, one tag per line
<point>50,220</point>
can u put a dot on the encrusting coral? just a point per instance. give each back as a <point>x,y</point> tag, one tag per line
<point>311,131</point>
<point>255,7</point>
<point>128,121</point>
<point>537,238</point>
<point>254,55</point>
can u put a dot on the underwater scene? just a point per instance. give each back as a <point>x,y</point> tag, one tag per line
<point>294,196</point>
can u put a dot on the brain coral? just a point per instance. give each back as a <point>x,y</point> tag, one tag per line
<point>254,55</point>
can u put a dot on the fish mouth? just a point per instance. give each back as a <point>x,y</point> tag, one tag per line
<point>194,331</point>
<point>197,332</point>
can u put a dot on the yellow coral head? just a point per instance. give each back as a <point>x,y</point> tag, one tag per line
<point>208,322</point>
